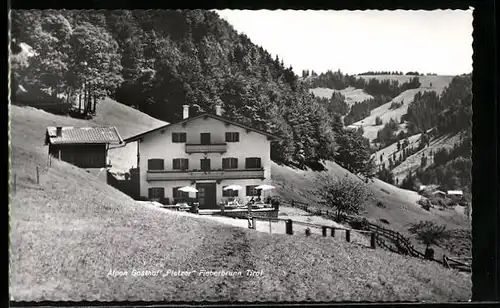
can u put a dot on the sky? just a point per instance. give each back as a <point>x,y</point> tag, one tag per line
<point>358,41</point>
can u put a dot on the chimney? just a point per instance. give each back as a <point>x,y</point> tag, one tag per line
<point>59,131</point>
<point>218,109</point>
<point>185,113</point>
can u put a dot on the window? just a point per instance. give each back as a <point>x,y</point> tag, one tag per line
<point>156,193</point>
<point>252,162</point>
<point>252,192</point>
<point>178,137</point>
<point>205,164</point>
<point>179,195</point>
<point>156,164</point>
<point>205,138</point>
<point>180,163</point>
<point>229,163</point>
<point>229,193</point>
<point>233,137</point>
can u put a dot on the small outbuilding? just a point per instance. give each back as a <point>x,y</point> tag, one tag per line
<point>84,147</point>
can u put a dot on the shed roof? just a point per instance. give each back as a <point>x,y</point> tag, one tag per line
<point>83,135</point>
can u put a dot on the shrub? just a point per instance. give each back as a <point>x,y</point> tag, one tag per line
<point>429,233</point>
<point>425,203</point>
<point>346,196</point>
<point>381,205</point>
<point>396,105</point>
<point>385,221</point>
<point>378,121</point>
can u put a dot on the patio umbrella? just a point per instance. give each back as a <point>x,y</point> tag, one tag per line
<point>190,190</point>
<point>265,187</point>
<point>233,187</point>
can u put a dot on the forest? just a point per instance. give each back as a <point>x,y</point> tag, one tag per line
<point>156,61</point>
<point>450,113</point>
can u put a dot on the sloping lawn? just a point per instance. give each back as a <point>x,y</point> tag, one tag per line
<point>69,231</point>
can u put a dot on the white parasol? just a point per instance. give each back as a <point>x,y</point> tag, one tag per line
<point>233,187</point>
<point>188,189</point>
<point>265,187</point>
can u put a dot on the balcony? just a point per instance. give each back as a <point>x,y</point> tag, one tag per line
<point>193,175</point>
<point>206,148</point>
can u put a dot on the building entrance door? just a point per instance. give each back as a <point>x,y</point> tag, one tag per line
<point>207,195</point>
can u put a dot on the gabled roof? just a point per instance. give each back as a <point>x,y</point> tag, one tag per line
<point>83,135</point>
<point>455,192</point>
<point>220,118</point>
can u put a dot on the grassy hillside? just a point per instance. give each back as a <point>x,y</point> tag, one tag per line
<point>69,231</point>
<point>385,113</point>
<point>401,208</point>
<point>351,94</point>
<point>128,121</point>
<point>412,162</point>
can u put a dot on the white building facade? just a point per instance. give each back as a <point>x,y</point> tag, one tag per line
<point>207,152</point>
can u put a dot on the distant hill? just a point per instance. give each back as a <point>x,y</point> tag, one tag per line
<point>439,82</point>
<point>352,95</point>
<point>385,113</point>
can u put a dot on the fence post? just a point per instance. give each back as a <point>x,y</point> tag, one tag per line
<point>372,240</point>
<point>14,186</point>
<point>323,229</point>
<point>347,235</point>
<point>332,232</point>
<point>289,226</point>
<point>37,176</point>
<point>254,223</point>
<point>270,227</point>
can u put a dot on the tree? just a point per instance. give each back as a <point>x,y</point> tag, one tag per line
<point>353,153</point>
<point>423,161</point>
<point>48,34</point>
<point>346,196</point>
<point>429,233</point>
<point>95,63</point>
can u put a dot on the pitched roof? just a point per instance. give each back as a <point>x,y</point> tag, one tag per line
<point>83,135</point>
<point>220,118</point>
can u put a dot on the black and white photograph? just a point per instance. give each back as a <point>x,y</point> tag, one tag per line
<point>240,155</point>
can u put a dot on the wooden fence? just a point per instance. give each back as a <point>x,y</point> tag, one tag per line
<point>384,235</point>
<point>403,245</point>
<point>463,264</point>
<point>324,229</point>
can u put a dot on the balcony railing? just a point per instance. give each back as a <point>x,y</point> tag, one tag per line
<point>192,175</point>
<point>206,148</point>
